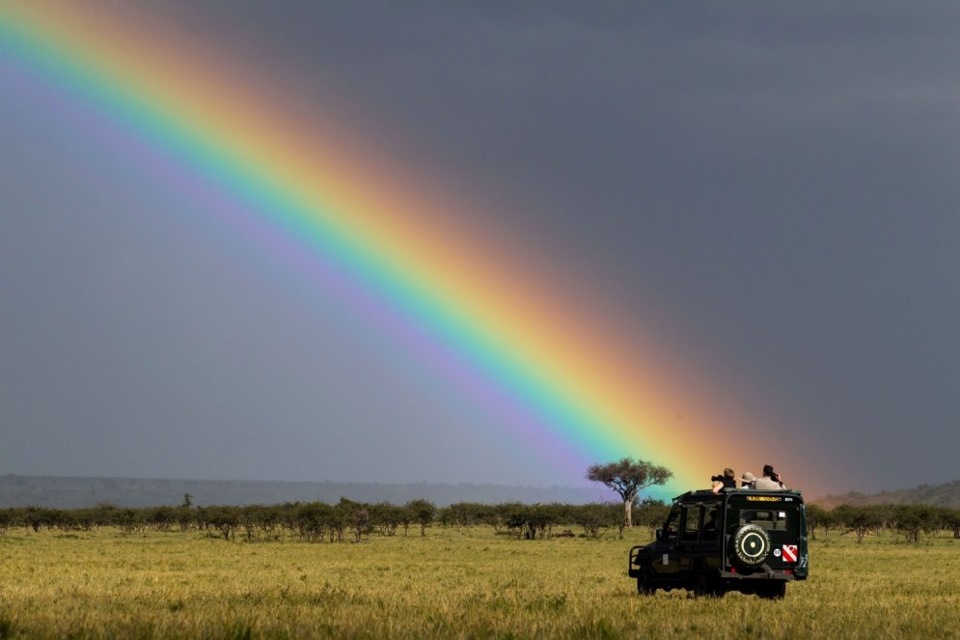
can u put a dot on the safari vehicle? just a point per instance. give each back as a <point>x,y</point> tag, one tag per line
<point>742,540</point>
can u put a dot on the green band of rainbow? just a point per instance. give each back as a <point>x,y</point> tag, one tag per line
<point>574,393</point>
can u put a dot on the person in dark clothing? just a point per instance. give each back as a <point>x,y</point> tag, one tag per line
<point>726,481</point>
<point>729,478</point>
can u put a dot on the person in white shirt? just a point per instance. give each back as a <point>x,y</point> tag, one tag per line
<point>770,481</point>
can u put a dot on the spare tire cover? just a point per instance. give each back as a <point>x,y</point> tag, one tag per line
<point>751,544</point>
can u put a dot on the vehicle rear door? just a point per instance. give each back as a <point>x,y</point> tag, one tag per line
<point>780,517</point>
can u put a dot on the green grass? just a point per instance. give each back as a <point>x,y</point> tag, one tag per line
<point>451,583</point>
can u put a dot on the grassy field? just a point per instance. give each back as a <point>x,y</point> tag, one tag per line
<point>467,583</point>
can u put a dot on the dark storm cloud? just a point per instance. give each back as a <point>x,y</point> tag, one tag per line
<point>770,184</point>
<point>777,178</point>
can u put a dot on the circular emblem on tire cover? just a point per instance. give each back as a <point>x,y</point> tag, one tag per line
<point>751,544</point>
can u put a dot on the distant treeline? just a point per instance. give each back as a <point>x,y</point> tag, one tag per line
<point>356,521</point>
<point>911,521</point>
<point>345,520</point>
<point>937,495</point>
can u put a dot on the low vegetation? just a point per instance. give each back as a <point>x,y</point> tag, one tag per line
<point>462,573</point>
<point>937,495</point>
<point>345,521</point>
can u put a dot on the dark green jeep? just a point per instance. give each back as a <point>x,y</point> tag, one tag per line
<point>736,540</point>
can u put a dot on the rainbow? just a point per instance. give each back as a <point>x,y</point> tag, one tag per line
<point>560,375</point>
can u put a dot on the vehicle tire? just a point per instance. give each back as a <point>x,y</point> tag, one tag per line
<point>751,545</point>
<point>707,584</point>
<point>773,591</point>
<point>645,585</point>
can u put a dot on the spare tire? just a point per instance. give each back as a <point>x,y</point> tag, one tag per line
<point>751,544</point>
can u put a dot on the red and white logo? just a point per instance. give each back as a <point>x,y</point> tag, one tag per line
<point>790,552</point>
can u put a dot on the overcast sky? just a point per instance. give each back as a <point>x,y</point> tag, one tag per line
<point>769,186</point>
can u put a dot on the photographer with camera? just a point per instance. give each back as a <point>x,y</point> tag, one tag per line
<point>727,480</point>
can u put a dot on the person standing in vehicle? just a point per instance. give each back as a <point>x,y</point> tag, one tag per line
<point>727,481</point>
<point>770,481</point>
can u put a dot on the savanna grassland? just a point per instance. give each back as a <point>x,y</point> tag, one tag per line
<point>466,582</point>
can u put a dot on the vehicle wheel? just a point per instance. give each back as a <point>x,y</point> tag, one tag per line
<point>645,585</point>
<point>751,545</point>
<point>707,584</point>
<point>773,591</point>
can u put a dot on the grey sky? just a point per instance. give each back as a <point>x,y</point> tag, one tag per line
<point>768,185</point>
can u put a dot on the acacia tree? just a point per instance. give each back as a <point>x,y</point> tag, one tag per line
<point>628,477</point>
<point>422,512</point>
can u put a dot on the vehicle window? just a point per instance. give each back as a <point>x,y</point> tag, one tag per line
<point>769,519</point>
<point>711,523</point>
<point>691,526</point>
<point>670,527</point>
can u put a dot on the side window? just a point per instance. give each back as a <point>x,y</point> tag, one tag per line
<point>670,527</point>
<point>711,522</point>
<point>691,526</point>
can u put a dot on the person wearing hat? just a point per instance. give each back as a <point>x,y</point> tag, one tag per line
<point>747,480</point>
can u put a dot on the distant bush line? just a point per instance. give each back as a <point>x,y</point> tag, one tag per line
<point>320,522</point>
<point>355,521</point>
<point>910,521</point>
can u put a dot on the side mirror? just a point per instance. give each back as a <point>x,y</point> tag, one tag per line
<point>659,535</point>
